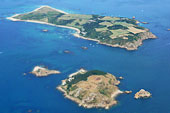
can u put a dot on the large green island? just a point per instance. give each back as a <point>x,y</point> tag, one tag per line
<point>112,31</point>
<point>91,89</point>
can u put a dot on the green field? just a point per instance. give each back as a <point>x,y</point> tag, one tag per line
<point>119,31</point>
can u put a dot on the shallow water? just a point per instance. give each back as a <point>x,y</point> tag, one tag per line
<point>24,45</point>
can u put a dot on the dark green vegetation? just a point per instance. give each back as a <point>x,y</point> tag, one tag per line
<point>130,21</point>
<point>139,27</point>
<point>117,31</point>
<point>91,88</point>
<point>116,27</point>
<point>50,15</point>
<point>83,77</point>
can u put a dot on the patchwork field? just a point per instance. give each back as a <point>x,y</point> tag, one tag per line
<point>112,31</point>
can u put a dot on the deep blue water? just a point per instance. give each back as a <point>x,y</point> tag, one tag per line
<point>23,45</point>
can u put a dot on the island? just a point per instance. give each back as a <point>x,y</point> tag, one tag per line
<point>45,30</point>
<point>91,89</point>
<point>111,31</point>
<point>40,71</point>
<point>142,94</point>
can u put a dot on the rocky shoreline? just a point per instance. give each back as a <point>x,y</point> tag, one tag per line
<point>42,71</point>
<point>83,102</point>
<point>92,105</point>
<point>142,94</point>
<point>127,46</point>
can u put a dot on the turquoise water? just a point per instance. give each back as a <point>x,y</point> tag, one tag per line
<point>23,45</point>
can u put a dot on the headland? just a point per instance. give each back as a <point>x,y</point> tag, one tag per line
<point>111,31</point>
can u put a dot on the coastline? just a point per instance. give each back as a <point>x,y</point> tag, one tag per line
<point>114,95</point>
<point>77,33</point>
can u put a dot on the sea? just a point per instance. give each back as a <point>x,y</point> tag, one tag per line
<point>23,45</point>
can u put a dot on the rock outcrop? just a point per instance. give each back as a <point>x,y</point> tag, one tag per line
<point>120,78</point>
<point>41,71</point>
<point>85,48</point>
<point>127,92</point>
<point>142,94</point>
<point>45,30</point>
<point>91,89</point>
<point>135,44</point>
<point>107,30</point>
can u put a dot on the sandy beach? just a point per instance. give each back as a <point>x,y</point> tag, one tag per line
<point>77,34</point>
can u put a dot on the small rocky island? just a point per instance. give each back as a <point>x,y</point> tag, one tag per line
<point>42,71</point>
<point>45,30</point>
<point>142,94</point>
<point>91,89</point>
<point>111,31</point>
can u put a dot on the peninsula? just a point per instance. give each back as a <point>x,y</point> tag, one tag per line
<point>111,31</point>
<point>91,89</point>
